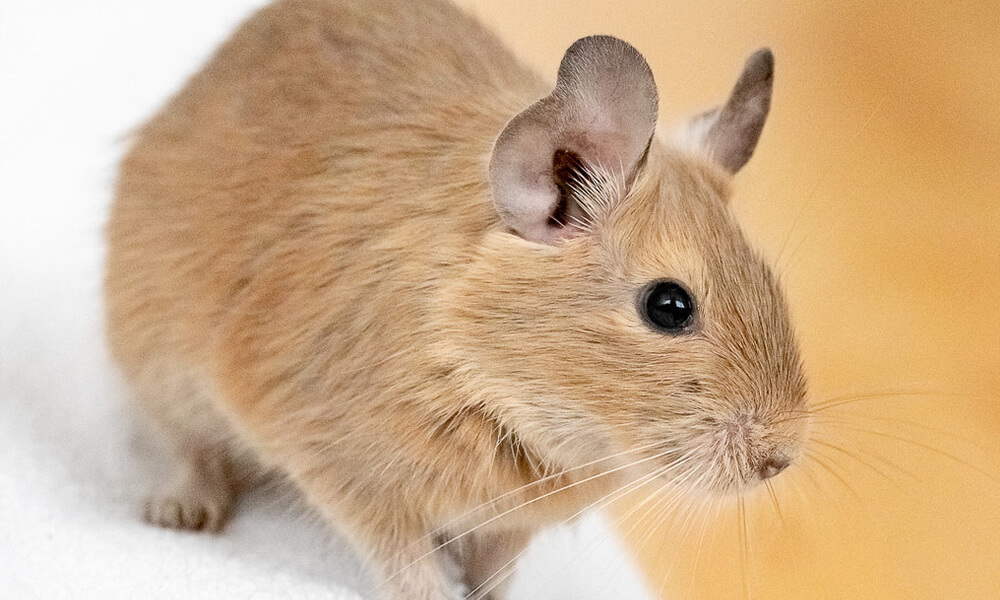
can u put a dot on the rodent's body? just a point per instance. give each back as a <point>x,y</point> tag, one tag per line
<point>306,273</point>
<point>291,173</point>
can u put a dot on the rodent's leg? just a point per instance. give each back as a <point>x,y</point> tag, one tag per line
<point>179,424</point>
<point>199,495</point>
<point>408,566</point>
<point>489,560</point>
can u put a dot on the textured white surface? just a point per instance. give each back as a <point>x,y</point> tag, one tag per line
<point>74,77</point>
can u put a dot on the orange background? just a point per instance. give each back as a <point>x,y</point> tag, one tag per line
<point>876,190</point>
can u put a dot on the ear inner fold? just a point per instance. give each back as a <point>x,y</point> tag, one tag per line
<point>602,110</point>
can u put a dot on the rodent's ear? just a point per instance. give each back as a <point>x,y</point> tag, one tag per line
<point>593,129</point>
<point>728,135</point>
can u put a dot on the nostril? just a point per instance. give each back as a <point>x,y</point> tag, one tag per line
<point>772,465</point>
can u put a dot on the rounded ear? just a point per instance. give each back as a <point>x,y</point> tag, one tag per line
<point>601,115</point>
<point>728,135</point>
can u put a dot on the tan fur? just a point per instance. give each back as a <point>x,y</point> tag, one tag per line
<point>306,272</point>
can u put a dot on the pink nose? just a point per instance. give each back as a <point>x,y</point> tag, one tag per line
<point>772,465</point>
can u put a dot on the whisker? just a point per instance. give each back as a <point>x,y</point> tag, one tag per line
<point>652,500</point>
<point>925,446</point>
<point>478,526</point>
<point>816,458</point>
<point>792,415</point>
<point>669,507</point>
<point>741,536</point>
<point>655,496</point>
<point>538,482</point>
<point>669,500</point>
<point>706,515</point>
<point>774,501</point>
<point>861,397</point>
<point>815,189</point>
<point>838,420</point>
<point>805,468</point>
<point>843,424</point>
<point>598,504</point>
<point>496,579</point>
<point>689,509</point>
<point>841,450</point>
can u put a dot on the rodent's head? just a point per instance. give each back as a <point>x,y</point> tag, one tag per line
<point>621,309</point>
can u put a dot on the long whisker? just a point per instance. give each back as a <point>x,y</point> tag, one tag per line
<point>650,502</point>
<point>806,469</point>
<point>652,499</point>
<point>741,535</point>
<point>816,458</point>
<point>792,415</point>
<point>705,517</point>
<point>687,457</point>
<point>774,501</point>
<point>816,187</point>
<point>841,450</point>
<point>838,420</point>
<point>669,507</point>
<point>664,506</point>
<point>925,446</point>
<point>598,504</point>
<point>688,510</point>
<point>862,397</point>
<point>471,530</point>
<point>535,483</point>
<point>676,481</point>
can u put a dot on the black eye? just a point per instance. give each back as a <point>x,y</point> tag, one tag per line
<point>667,306</point>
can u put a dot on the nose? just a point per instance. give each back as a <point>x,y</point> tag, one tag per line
<point>772,465</point>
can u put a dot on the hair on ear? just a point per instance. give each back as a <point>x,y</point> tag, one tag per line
<point>601,115</point>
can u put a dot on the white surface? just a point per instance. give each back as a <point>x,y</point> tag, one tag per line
<point>74,76</point>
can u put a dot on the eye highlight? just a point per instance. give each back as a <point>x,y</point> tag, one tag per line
<point>667,306</point>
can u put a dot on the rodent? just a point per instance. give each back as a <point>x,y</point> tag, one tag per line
<point>365,248</point>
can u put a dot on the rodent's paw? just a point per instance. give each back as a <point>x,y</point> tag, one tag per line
<point>190,511</point>
<point>198,497</point>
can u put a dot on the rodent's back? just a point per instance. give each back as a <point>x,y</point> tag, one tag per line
<point>330,153</point>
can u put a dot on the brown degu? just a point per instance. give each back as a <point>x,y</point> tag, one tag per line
<point>366,249</point>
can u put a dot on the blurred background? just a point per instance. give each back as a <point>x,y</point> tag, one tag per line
<point>874,190</point>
